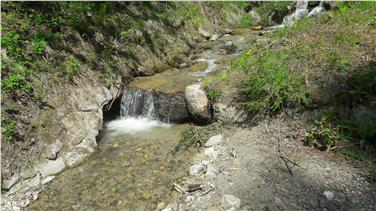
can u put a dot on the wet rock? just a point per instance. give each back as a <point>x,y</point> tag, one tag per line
<point>76,156</point>
<point>171,107</point>
<point>51,167</point>
<point>230,202</point>
<point>197,103</point>
<point>52,150</point>
<point>196,169</point>
<point>211,153</point>
<point>7,184</point>
<point>214,141</point>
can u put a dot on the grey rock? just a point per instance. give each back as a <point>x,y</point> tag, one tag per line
<point>75,156</point>
<point>197,103</point>
<point>28,173</point>
<point>211,171</point>
<point>211,153</point>
<point>204,33</point>
<point>196,169</point>
<point>230,202</point>
<point>214,37</point>
<point>53,149</point>
<point>171,107</point>
<point>7,184</point>
<point>214,141</point>
<point>50,167</point>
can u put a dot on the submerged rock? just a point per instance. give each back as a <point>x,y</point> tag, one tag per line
<point>198,103</point>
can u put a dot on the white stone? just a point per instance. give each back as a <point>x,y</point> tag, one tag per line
<point>204,33</point>
<point>230,202</point>
<point>47,179</point>
<point>214,140</point>
<point>328,195</point>
<point>196,169</point>
<point>53,149</point>
<point>211,153</point>
<point>214,37</point>
<point>51,167</point>
<point>197,102</point>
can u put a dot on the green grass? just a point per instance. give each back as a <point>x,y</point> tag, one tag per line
<point>269,85</point>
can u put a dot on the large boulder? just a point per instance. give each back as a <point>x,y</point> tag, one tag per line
<point>198,103</point>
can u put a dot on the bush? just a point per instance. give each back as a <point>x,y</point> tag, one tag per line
<point>8,129</point>
<point>193,136</point>
<point>70,66</point>
<point>269,85</point>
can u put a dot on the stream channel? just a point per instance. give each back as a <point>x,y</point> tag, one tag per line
<point>133,168</point>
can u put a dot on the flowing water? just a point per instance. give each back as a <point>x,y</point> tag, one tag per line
<point>133,168</point>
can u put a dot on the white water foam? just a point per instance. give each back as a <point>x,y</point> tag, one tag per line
<point>211,67</point>
<point>132,125</point>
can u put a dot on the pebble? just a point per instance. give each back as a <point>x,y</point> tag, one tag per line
<point>214,140</point>
<point>196,169</point>
<point>211,153</point>
<point>328,195</point>
<point>230,202</point>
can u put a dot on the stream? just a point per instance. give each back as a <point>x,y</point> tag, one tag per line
<point>133,168</point>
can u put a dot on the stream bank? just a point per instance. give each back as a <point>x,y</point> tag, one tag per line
<point>141,140</point>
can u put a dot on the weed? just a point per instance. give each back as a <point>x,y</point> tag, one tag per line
<point>38,45</point>
<point>70,66</point>
<point>8,129</point>
<point>246,20</point>
<point>324,136</point>
<point>269,85</point>
<point>193,136</point>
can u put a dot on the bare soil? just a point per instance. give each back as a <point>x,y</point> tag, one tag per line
<point>268,168</point>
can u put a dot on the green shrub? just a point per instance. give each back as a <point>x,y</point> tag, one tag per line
<point>324,136</point>
<point>8,129</point>
<point>269,85</point>
<point>70,66</point>
<point>38,45</point>
<point>193,136</point>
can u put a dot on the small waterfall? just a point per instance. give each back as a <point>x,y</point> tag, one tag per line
<point>137,103</point>
<point>300,11</point>
<point>137,114</point>
<point>316,10</point>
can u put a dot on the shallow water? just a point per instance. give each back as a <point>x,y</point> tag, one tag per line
<point>128,172</point>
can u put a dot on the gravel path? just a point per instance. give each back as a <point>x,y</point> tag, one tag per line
<point>267,168</point>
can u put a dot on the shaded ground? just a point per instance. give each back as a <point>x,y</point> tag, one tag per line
<point>268,169</point>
